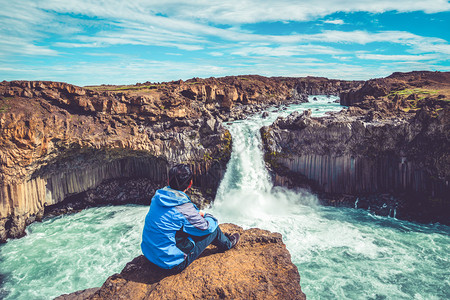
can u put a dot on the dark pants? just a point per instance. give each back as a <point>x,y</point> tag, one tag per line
<point>217,238</point>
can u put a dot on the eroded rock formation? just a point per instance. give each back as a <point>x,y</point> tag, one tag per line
<point>259,267</point>
<point>60,141</point>
<point>389,154</point>
<point>433,82</point>
<point>65,140</point>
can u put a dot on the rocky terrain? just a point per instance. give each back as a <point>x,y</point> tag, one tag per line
<point>65,147</point>
<point>259,267</point>
<point>415,86</point>
<point>388,152</point>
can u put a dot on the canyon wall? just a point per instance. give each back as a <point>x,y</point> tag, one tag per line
<point>58,140</point>
<point>62,142</point>
<point>378,155</point>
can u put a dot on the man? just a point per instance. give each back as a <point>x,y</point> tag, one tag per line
<point>175,231</point>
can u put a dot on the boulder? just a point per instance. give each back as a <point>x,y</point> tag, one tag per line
<point>259,267</point>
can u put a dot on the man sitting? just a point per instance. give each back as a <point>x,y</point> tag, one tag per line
<point>175,231</point>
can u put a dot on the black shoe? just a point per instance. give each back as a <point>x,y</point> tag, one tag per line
<point>234,239</point>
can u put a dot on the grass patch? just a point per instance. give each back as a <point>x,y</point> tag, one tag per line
<point>123,88</point>
<point>4,108</point>
<point>410,109</point>
<point>417,91</point>
<point>143,87</point>
<point>416,102</point>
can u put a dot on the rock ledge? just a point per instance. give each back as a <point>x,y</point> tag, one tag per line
<point>259,267</point>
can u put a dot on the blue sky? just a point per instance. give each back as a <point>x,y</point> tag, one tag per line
<point>124,42</point>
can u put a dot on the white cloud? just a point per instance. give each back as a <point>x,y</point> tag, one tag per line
<point>432,47</point>
<point>252,11</point>
<point>336,22</point>
<point>26,26</point>
<point>399,58</point>
<point>22,46</point>
<point>188,24</point>
<point>293,50</point>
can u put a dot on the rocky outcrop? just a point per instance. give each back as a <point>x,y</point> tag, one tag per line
<point>423,84</point>
<point>388,152</point>
<point>58,141</point>
<point>231,91</point>
<point>259,267</point>
<point>393,164</point>
<point>62,142</point>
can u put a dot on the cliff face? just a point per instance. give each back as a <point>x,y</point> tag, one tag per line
<point>59,140</point>
<point>259,267</point>
<point>418,82</point>
<point>62,142</point>
<point>376,154</point>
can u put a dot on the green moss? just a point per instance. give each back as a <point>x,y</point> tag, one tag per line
<point>143,87</point>
<point>4,108</point>
<point>225,151</point>
<point>207,156</point>
<point>408,109</point>
<point>272,158</point>
<point>416,103</point>
<point>406,92</point>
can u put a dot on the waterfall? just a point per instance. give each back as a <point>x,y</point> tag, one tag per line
<point>246,193</point>
<point>246,190</point>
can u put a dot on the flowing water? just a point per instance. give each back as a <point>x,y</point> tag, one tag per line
<point>341,253</point>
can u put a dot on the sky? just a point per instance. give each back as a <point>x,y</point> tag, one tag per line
<point>125,42</point>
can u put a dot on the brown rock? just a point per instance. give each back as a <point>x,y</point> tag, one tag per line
<point>259,267</point>
<point>80,295</point>
<point>58,140</point>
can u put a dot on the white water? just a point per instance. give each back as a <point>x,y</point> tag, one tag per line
<point>341,253</point>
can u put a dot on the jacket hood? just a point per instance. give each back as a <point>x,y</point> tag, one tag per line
<point>170,197</point>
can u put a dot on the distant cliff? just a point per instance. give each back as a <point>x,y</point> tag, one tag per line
<point>114,144</point>
<point>419,83</point>
<point>259,267</point>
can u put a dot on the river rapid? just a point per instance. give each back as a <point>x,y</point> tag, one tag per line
<point>341,253</point>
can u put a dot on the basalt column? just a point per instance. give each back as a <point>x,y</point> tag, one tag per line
<point>394,166</point>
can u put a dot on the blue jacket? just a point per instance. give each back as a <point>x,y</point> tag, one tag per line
<point>170,211</point>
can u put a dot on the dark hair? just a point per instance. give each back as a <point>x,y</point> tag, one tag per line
<point>179,177</point>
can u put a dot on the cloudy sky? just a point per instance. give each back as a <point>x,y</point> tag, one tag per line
<point>122,42</point>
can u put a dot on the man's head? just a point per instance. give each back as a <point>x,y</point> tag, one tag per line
<point>180,177</point>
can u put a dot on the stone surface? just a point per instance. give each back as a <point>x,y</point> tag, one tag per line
<point>80,295</point>
<point>60,142</point>
<point>259,267</point>
<point>380,153</point>
<point>380,87</point>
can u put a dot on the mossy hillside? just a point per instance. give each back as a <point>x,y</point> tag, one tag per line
<point>5,104</point>
<point>414,99</point>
